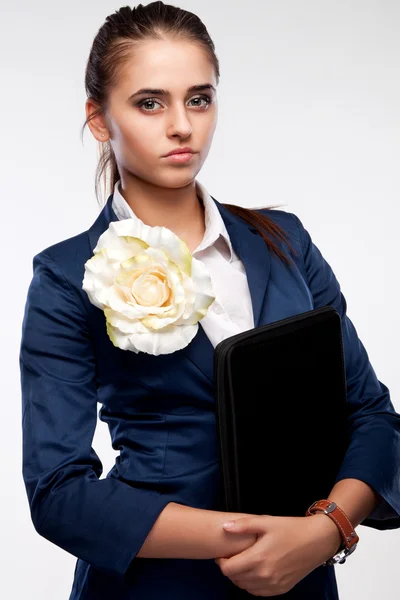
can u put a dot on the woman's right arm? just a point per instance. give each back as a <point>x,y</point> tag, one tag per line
<point>181,531</point>
<point>103,521</point>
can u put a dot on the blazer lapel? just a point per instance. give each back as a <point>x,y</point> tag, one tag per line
<point>252,251</point>
<point>101,223</point>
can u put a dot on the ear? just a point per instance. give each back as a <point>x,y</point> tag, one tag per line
<point>97,124</point>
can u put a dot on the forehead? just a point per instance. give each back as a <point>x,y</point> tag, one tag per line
<point>171,65</point>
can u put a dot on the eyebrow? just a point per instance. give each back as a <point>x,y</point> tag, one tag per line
<point>160,92</point>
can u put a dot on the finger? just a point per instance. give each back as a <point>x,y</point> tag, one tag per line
<point>241,563</point>
<point>254,524</point>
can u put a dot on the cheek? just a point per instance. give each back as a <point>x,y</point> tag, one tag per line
<point>208,128</point>
<point>136,139</point>
<point>206,137</point>
<point>140,141</point>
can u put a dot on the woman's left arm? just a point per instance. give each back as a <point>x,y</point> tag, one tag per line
<point>356,498</point>
<point>367,486</point>
<point>373,454</point>
<point>289,548</point>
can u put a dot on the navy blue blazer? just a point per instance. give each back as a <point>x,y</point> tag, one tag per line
<point>161,415</point>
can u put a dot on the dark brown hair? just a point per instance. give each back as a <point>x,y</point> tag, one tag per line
<point>112,48</point>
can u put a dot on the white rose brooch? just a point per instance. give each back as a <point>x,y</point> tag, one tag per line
<point>152,290</point>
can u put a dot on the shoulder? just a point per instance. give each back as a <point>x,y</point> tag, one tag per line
<point>65,258</point>
<point>289,223</point>
<point>76,246</point>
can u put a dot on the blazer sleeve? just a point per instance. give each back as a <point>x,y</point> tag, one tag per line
<point>102,521</point>
<point>373,454</point>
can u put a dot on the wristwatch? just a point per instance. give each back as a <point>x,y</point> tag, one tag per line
<point>349,536</point>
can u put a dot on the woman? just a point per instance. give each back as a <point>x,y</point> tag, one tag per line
<point>151,82</point>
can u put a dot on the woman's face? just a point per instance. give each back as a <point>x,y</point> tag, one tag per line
<point>144,128</point>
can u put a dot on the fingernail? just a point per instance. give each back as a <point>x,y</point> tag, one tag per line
<point>228,525</point>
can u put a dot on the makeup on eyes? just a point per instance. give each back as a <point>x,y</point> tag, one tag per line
<point>140,104</point>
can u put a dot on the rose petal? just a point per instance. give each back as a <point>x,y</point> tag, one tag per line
<point>166,342</point>
<point>129,259</point>
<point>124,325</point>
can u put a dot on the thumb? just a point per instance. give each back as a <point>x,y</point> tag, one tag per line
<point>253,524</point>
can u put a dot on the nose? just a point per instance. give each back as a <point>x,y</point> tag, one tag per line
<point>180,124</point>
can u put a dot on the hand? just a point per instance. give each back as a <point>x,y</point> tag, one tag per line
<point>285,551</point>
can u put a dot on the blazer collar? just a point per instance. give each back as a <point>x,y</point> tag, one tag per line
<point>252,251</point>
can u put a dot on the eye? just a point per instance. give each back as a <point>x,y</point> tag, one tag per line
<point>147,101</point>
<point>207,99</point>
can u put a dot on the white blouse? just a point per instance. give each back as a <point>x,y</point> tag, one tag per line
<point>232,311</point>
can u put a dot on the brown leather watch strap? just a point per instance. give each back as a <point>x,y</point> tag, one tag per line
<point>330,508</point>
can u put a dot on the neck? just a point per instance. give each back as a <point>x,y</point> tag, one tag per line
<point>178,209</point>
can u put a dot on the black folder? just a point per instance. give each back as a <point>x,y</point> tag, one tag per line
<point>281,411</point>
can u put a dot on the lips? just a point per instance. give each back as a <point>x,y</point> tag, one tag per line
<point>180,151</point>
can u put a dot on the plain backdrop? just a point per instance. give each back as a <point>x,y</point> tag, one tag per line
<point>309,102</point>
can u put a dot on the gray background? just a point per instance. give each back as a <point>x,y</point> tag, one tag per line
<point>308,117</point>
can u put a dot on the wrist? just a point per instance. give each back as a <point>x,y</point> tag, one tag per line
<point>228,545</point>
<point>349,538</point>
<point>327,534</point>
